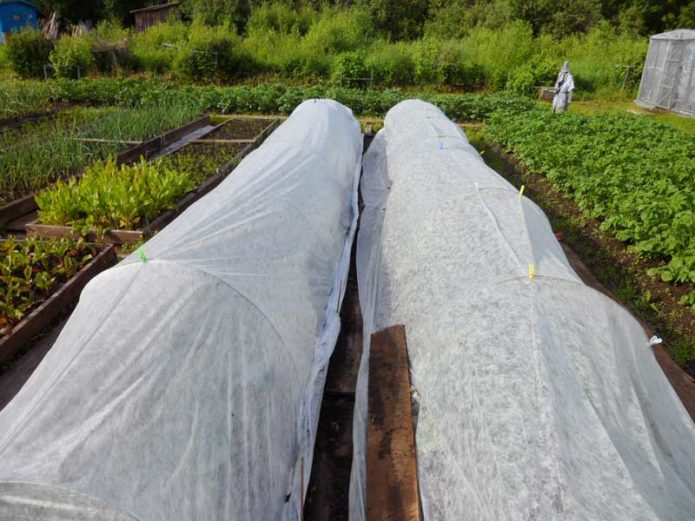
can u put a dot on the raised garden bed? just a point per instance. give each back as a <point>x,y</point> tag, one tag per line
<point>198,159</point>
<point>240,128</point>
<point>27,204</point>
<point>18,121</point>
<point>39,281</point>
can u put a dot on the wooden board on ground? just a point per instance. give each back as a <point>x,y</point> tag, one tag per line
<point>35,321</point>
<point>392,484</point>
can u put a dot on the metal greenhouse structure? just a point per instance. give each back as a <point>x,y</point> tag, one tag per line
<point>668,80</point>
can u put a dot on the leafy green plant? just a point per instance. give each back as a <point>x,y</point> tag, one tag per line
<point>28,51</point>
<point>108,196</point>
<point>32,269</point>
<point>630,172</point>
<point>210,53</point>
<point>72,56</point>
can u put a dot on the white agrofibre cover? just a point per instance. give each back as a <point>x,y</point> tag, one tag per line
<point>539,397</point>
<point>188,386</point>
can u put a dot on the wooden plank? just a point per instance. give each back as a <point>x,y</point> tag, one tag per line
<point>37,229</point>
<point>392,484</point>
<point>178,133</point>
<point>18,121</point>
<point>221,141</point>
<point>115,141</point>
<point>43,315</point>
<point>17,208</point>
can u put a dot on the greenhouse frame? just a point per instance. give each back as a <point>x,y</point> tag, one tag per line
<point>668,79</point>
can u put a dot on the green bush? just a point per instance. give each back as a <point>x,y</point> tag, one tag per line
<point>155,49</point>
<point>392,63</point>
<point>72,56</point>
<point>281,18</point>
<point>4,58</point>
<point>349,68</point>
<point>340,30</point>
<point>210,54</point>
<point>27,52</point>
<point>111,53</point>
<point>535,73</point>
<point>498,51</point>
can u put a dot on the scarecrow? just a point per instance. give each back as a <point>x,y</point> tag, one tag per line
<point>563,89</point>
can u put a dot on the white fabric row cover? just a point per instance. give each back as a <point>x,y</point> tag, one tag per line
<point>539,397</point>
<point>188,386</point>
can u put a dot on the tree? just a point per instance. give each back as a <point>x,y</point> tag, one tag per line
<point>217,12</point>
<point>398,19</point>
<point>74,11</point>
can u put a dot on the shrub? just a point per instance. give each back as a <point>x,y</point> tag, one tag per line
<point>391,63</point>
<point>537,72</point>
<point>4,58</point>
<point>155,49</point>
<point>72,56</point>
<point>498,51</point>
<point>281,18</point>
<point>28,52</point>
<point>340,30</point>
<point>349,68</point>
<point>110,49</point>
<point>211,53</point>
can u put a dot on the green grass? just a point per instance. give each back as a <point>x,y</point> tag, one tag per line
<point>678,121</point>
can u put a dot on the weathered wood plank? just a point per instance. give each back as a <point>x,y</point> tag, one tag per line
<point>392,484</point>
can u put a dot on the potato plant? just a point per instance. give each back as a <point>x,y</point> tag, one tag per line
<point>32,269</point>
<point>632,173</point>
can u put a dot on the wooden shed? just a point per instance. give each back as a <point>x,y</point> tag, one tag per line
<point>149,16</point>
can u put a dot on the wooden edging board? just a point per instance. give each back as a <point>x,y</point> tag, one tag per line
<point>18,121</point>
<point>26,204</point>
<point>392,487</point>
<point>118,237</point>
<point>39,318</point>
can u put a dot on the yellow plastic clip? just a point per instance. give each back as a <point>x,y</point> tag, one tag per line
<point>531,271</point>
<point>521,192</point>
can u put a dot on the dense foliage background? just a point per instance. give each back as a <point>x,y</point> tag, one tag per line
<point>467,45</point>
<point>412,18</point>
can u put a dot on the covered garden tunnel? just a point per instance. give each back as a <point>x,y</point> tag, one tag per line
<point>188,382</point>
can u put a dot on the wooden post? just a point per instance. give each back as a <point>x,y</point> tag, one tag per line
<point>392,481</point>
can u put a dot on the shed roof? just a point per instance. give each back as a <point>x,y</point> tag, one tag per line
<point>678,34</point>
<point>155,7</point>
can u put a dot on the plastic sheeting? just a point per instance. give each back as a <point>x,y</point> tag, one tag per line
<point>540,398</point>
<point>668,78</point>
<point>188,386</point>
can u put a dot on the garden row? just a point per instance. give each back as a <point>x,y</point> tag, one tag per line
<point>633,174</point>
<point>33,156</point>
<point>109,203</point>
<point>276,98</point>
